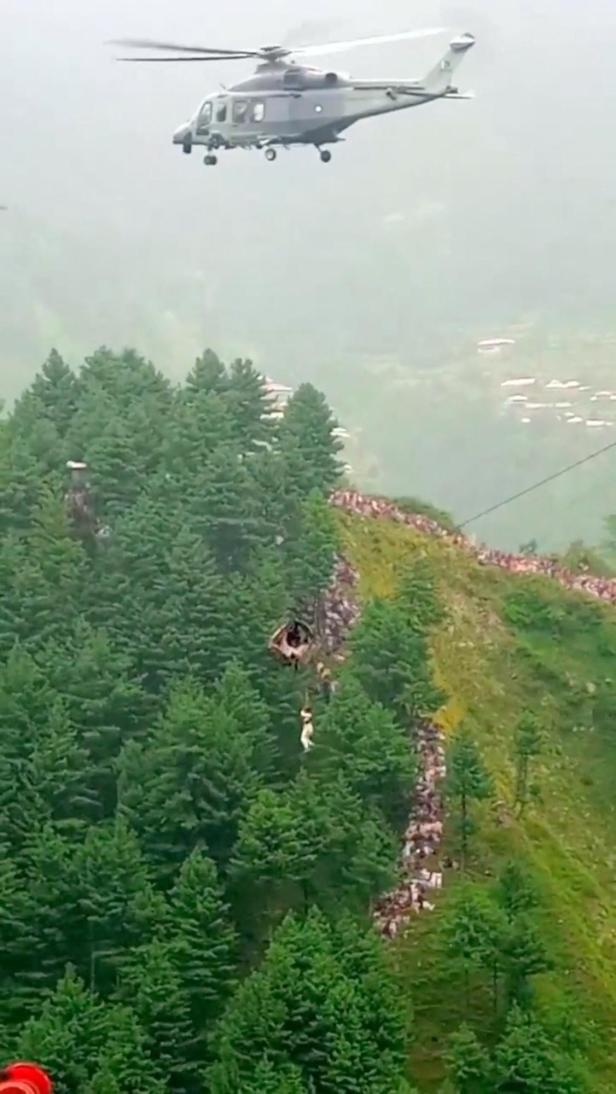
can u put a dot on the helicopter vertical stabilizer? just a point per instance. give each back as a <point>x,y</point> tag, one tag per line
<point>438,79</point>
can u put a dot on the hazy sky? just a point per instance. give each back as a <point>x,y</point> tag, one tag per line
<point>429,225</point>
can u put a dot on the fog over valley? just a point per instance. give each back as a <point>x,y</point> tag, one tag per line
<point>373,277</point>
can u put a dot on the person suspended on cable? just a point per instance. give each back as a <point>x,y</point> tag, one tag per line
<point>307,728</point>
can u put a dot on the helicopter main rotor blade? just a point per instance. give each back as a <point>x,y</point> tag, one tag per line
<point>341,47</point>
<point>146,43</point>
<point>170,60</point>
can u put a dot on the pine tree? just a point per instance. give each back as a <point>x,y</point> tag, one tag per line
<point>126,377</point>
<point>363,741</point>
<point>309,553</point>
<point>280,502</point>
<point>467,782</point>
<point>104,700</point>
<point>20,482</point>
<point>525,955</point>
<point>306,1007</point>
<point>390,657</point>
<point>271,1079</point>
<point>57,778</point>
<point>273,855</point>
<point>200,422</point>
<point>115,469</point>
<point>528,1061</point>
<point>15,922</point>
<point>515,892</point>
<point>469,1063</point>
<point>255,604</point>
<point>171,594</point>
<point>111,873</point>
<point>476,931</point>
<point>307,441</point>
<point>152,984</point>
<point>238,698</point>
<point>207,375</point>
<point>46,579</point>
<point>188,621</point>
<point>205,943</point>
<point>248,404</point>
<point>192,783</point>
<point>52,928</point>
<point>124,1062</point>
<point>528,744</point>
<point>223,508</point>
<point>25,704</point>
<point>356,849</point>
<point>67,1036</point>
<point>56,389</point>
<point>33,429</point>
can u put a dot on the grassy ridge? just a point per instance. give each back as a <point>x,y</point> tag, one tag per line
<point>507,644</point>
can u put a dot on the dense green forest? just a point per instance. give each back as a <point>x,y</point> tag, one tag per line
<point>187,896</point>
<point>184,897</point>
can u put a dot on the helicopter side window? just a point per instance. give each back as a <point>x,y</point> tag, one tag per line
<point>257,112</point>
<point>240,111</point>
<point>294,80</point>
<point>221,112</point>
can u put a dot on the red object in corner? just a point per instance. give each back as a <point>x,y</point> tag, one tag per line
<point>25,1078</point>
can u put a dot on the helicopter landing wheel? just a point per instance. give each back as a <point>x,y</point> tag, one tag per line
<point>325,156</point>
<point>187,146</point>
<point>210,161</point>
<point>270,154</point>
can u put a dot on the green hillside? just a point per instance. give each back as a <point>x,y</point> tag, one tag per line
<point>507,645</point>
<point>201,883</point>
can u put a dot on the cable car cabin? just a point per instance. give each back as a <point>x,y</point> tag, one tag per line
<point>293,642</point>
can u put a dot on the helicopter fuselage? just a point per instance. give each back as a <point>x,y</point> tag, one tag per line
<point>286,104</point>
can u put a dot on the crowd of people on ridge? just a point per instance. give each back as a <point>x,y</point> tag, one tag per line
<point>339,609</point>
<point>600,587</point>
<point>420,871</point>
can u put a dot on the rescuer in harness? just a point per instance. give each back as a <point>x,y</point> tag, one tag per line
<point>293,642</point>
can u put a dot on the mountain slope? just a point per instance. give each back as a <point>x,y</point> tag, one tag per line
<point>510,644</point>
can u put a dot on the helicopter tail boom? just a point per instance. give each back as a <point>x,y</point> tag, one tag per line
<point>438,80</point>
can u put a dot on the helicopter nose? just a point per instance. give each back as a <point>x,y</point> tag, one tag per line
<point>181,133</point>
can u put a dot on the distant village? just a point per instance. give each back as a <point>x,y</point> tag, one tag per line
<point>562,399</point>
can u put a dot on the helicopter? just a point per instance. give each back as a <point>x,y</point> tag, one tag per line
<point>286,103</point>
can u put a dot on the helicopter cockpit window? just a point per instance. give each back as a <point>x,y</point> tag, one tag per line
<point>240,111</point>
<point>257,112</point>
<point>221,112</point>
<point>205,117</point>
